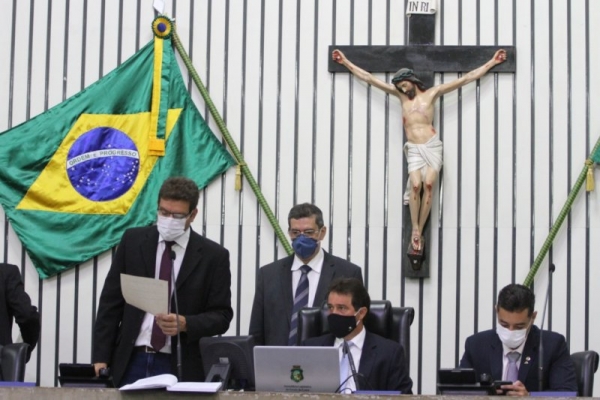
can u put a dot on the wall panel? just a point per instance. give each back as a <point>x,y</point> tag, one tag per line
<point>514,146</point>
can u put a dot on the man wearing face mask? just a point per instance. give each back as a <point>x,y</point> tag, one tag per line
<point>296,281</point>
<point>135,344</point>
<point>511,352</point>
<point>380,361</point>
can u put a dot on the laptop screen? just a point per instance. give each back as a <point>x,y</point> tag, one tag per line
<point>296,369</point>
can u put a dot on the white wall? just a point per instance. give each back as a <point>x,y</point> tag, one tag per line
<point>514,146</point>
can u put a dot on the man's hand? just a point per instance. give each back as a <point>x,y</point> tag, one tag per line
<point>516,389</point>
<point>168,323</point>
<point>98,367</point>
<point>499,57</point>
<point>338,56</point>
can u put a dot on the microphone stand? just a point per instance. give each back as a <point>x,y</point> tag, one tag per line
<point>351,362</point>
<point>179,368</point>
<point>551,269</point>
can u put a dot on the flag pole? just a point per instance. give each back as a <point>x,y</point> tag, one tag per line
<point>589,163</point>
<point>230,142</point>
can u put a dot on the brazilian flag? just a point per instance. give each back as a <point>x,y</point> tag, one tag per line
<point>74,178</point>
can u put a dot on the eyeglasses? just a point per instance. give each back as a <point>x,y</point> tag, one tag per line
<point>166,213</point>
<point>307,232</point>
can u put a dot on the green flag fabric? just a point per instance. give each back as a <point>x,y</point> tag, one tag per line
<point>596,155</point>
<point>74,178</point>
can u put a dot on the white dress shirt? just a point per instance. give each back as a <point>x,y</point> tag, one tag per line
<point>356,348</point>
<point>316,264</point>
<point>179,247</point>
<point>505,351</point>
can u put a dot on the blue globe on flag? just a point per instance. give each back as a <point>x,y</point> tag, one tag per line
<point>103,164</point>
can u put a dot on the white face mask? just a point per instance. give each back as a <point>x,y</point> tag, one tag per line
<point>170,228</point>
<point>512,339</point>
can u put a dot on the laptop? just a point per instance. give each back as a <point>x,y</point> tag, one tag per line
<point>296,369</point>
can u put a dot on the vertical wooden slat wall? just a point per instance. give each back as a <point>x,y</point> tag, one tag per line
<point>514,146</point>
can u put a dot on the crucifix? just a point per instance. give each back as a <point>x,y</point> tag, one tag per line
<point>423,149</point>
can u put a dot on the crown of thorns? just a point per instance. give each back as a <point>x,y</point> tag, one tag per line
<point>403,74</point>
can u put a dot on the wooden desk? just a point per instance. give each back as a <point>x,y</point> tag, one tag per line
<point>47,393</point>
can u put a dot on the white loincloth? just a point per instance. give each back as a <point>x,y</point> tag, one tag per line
<point>421,156</point>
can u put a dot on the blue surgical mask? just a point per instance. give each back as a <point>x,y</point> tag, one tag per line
<point>304,246</point>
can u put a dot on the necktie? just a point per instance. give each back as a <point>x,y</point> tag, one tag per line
<point>158,339</point>
<point>300,300</point>
<point>512,372</point>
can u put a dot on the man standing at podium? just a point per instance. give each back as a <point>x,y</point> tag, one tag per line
<point>511,352</point>
<point>300,280</point>
<point>380,361</point>
<point>136,344</point>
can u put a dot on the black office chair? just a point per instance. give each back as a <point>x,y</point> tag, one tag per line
<point>383,319</point>
<point>13,358</point>
<point>586,365</point>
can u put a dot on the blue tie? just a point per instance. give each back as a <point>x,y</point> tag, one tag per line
<point>300,300</point>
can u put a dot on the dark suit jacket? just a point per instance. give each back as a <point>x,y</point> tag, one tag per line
<point>382,364</point>
<point>15,303</point>
<point>274,300</point>
<point>483,352</point>
<point>203,293</point>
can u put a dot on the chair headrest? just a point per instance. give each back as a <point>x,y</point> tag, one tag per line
<point>379,318</point>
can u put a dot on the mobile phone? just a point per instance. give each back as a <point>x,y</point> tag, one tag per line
<point>497,385</point>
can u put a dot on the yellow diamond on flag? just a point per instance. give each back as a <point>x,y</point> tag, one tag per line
<point>99,168</point>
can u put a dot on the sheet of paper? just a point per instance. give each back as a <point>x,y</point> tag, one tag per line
<point>198,387</point>
<point>153,382</point>
<point>147,294</point>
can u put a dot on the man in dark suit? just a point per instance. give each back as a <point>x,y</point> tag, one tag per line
<point>277,298</point>
<point>15,303</point>
<point>381,364</point>
<point>135,344</point>
<point>511,352</point>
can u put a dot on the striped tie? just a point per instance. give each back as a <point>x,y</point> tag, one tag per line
<point>300,300</point>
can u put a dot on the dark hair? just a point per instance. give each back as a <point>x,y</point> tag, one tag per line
<point>354,288</point>
<point>306,210</point>
<point>516,298</point>
<point>407,74</point>
<point>181,189</point>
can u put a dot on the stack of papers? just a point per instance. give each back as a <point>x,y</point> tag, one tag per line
<point>169,382</point>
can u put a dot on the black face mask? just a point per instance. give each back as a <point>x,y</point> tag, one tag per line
<point>341,325</point>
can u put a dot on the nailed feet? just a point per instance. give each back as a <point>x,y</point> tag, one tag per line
<point>416,240</point>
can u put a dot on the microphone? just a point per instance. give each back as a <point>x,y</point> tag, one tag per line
<point>179,368</point>
<point>551,269</point>
<point>351,362</point>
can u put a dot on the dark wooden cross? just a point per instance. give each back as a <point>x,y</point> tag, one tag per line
<point>425,59</point>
